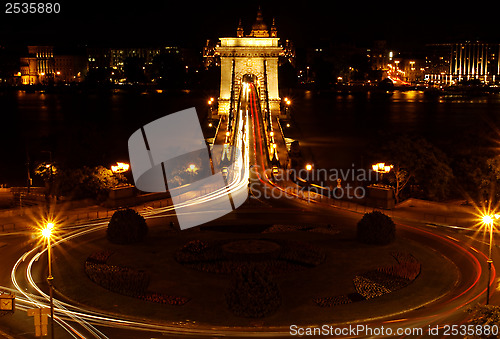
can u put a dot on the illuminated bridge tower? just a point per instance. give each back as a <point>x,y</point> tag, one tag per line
<point>250,58</point>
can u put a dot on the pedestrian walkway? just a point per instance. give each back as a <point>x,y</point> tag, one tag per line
<point>279,140</point>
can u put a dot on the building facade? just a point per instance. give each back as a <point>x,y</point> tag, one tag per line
<point>70,68</point>
<point>113,61</point>
<point>452,63</point>
<point>38,66</point>
<point>42,66</point>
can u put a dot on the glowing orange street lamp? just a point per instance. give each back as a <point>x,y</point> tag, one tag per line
<point>47,234</point>
<point>489,221</point>
<point>192,168</point>
<point>381,167</point>
<point>120,167</point>
<point>309,167</point>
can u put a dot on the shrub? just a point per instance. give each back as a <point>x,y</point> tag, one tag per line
<point>126,227</point>
<point>486,318</point>
<point>253,295</point>
<point>376,228</point>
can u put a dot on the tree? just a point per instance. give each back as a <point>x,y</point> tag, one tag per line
<point>420,163</point>
<point>126,227</point>
<point>376,228</point>
<point>169,71</point>
<point>100,182</point>
<point>98,76</point>
<point>47,171</point>
<point>87,182</point>
<point>133,69</point>
<point>485,316</point>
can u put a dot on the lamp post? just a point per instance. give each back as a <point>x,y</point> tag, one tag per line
<point>382,168</point>
<point>47,234</point>
<point>120,167</point>
<point>489,221</point>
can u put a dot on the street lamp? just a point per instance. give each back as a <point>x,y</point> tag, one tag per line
<point>382,168</point>
<point>489,221</point>
<point>47,234</point>
<point>120,167</point>
<point>192,168</point>
<point>309,167</point>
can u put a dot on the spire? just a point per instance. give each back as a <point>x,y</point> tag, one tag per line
<point>274,31</point>
<point>239,31</point>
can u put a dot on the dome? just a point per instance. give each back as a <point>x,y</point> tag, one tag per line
<point>259,28</point>
<point>259,24</point>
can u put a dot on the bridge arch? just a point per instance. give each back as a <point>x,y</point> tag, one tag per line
<point>255,76</point>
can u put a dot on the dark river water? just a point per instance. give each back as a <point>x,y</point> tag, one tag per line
<point>337,131</point>
<point>92,128</point>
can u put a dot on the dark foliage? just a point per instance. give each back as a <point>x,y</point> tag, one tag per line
<point>127,227</point>
<point>486,320</point>
<point>253,295</point>
<point>376,228</point>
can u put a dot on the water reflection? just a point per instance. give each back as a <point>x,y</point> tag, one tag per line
<point>350,125</point>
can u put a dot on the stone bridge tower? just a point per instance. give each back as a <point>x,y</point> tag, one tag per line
<point>254,58</point>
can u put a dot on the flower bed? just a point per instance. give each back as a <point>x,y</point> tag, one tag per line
<point>324,230</point>
<point>368,288</point>
<point>163,299</point>
<point>301,253</point>
<point>283,228</point>
<point>407,267</point>
<point>125,280</point>
<point>100,257</point>
<point>332,301</point>
<point>375,283</point>
<point>274,267</point>
<point>195,246</point>
<point>286,256</point>
<point>118,279</point>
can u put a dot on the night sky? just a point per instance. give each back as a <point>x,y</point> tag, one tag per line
<point>188,24</point>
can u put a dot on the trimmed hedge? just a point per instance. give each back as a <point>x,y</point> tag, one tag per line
<point>376,228</point>
<point>126,227</point>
